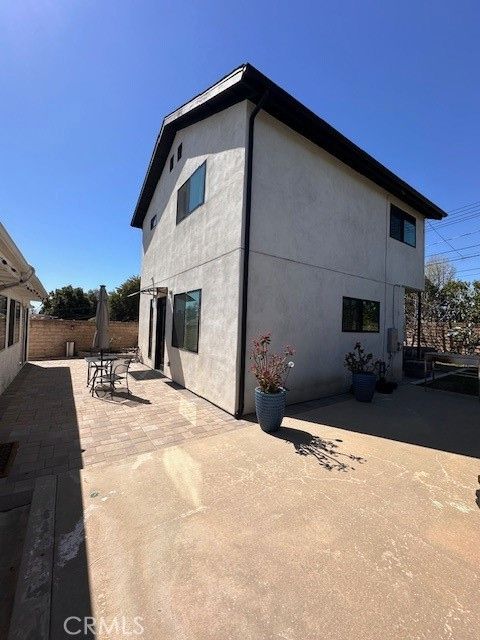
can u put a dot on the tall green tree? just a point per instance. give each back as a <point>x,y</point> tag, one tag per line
<point>123,307</point>
<point>69,303</point>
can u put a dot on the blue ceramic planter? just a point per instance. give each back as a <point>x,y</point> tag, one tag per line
<point>270,408</point>
<point>364,386</point>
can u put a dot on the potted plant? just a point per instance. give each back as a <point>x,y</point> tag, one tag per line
<point>383,385</point>
<point>271,371</point>
<point>363,369</point>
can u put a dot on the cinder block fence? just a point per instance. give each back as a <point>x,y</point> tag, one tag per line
<point>48,336</point>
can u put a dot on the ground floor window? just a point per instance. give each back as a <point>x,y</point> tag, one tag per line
<point>361,316</point>
<point>186,320</point>
<point>3,322</point>
<point>14,316</point>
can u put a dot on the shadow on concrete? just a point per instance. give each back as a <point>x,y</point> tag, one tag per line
<point>433,419</point>
<point>41,405</point>
<point>326,452</point>
<point>124,398</point>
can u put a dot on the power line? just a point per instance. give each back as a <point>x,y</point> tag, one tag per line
<point>469,216</point>
<point>440,253</point>
<point>462,235</point>
<point>475,255</point>
<point>465,206</point>
<point>446,241</point>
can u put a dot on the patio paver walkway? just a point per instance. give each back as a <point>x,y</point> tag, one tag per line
<point>59,426</point>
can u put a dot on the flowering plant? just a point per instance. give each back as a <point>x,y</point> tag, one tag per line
<point>270,369</point>
<point>357,361</point>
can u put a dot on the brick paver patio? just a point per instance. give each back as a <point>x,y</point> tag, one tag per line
<point>59,426</point>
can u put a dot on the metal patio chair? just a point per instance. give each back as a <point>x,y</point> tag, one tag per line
<point>117,374</point>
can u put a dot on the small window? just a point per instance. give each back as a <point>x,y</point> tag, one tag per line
<point>3,322</point>
<point>13,322</point>
<point>186,320</point>
<point>153,222</point>
<point>191,194</point>
<point>362,316</point>
<point>403,226</point>
<point>179,152</point>
<point>171,163</point>
<point>18,320</point>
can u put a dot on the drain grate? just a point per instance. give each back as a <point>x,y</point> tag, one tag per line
<point>7,456</point>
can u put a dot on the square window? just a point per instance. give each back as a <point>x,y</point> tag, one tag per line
<point>153,222</point>
<point>403,226</point>
<point>171,163</point>
<point>179,152</point>
<point>361,316</point>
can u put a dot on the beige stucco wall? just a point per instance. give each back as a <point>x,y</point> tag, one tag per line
<point>202,252</point>
<point>320,231</point>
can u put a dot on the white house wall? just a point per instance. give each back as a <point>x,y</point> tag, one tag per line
<point>12,358</point>
<point>320,231</point>
<point>202,252</point>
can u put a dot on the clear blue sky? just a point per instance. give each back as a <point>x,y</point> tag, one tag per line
<point>85,85</point>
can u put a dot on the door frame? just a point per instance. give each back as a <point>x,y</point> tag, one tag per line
<point>161,311</point>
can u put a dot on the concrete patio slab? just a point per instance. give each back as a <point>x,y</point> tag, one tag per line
<point>326,530</point>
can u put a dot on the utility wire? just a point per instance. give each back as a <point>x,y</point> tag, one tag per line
<point>462,235</point>
<point>440,253</point>
<point>446,241</point>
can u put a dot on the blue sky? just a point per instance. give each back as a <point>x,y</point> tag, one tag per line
<point>85,85</point>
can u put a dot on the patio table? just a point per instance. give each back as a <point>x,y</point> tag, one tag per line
<point>97,363</point>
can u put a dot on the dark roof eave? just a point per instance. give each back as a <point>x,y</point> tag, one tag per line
<point>251,86</point>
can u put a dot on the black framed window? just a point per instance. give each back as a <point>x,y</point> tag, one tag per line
<point>362,316</point>
<point>18,320</point>
<point>13,322</point>
<point>171,163</point>
<point>179,152</point>
<point>153,222</point>
<point>186,320</point>
<point>3,321</point>
<point>403,226</point>
<point>192,193</point>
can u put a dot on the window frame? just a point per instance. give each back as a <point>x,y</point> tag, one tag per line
<point>184,185</point>
<point>4,302</point>
<point>12,323</point>
<point>403,217</point>
<point>362,301</point>
<point>182,347</point>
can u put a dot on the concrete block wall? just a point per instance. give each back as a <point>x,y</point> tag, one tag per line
<point>48,336</point>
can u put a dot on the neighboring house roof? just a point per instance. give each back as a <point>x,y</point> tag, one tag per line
<point>15,270</point>
<point>247,83</point>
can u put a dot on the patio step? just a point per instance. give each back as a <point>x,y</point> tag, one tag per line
<point>31,608</point>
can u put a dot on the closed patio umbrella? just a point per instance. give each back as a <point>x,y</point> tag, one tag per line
<point>101,339</point>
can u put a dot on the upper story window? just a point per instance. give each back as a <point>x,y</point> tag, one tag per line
<point>403,226</point>
<point>362,316</point>
<point>186,320</point>
<point>153,222</point>
<point>171,163</point>
<point>179,152</point>
<point>192,193</point>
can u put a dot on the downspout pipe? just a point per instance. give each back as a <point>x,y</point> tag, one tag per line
<point>246,258</point>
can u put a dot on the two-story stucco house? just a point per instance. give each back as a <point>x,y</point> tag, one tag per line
<point>257,215</point>
<point>18,286</point>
